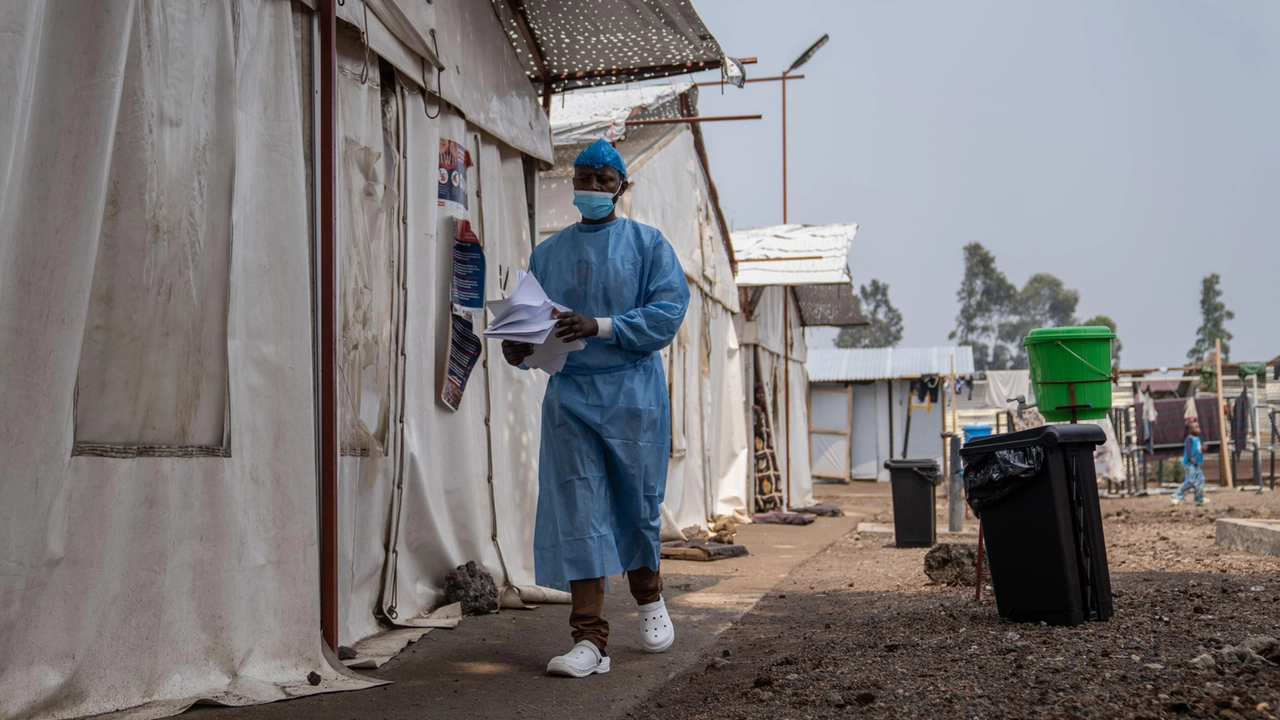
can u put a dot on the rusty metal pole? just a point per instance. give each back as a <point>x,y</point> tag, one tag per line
<point>786,377</point>
<point>328,285</point>
<point>784,146</point>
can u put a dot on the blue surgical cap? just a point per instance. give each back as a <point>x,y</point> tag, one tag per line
<point>601,153</point>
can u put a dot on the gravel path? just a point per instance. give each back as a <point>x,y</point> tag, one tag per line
<point>859,631</point>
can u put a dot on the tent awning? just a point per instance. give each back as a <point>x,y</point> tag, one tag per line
<point>812,259</point>
<point>794,255</point>
<point>582,43</point>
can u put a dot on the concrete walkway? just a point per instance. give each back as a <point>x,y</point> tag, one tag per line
<point>494,665</point>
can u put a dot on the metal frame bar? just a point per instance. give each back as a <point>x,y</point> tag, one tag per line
<point>693,120</point>
<point>328,441</point>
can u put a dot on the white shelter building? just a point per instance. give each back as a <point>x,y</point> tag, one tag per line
<point>233,435</point>
<point>793,277</point>
<point>863,411</point>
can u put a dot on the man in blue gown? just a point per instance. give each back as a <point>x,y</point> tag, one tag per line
<point>606,418</point>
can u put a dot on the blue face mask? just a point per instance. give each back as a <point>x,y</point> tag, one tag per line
<point>593,205</point>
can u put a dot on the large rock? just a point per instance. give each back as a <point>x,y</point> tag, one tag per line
<point>1251,535</point>
<point>953,564</point>
<point>472,587</point>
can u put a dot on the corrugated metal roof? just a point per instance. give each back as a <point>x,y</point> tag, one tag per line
<point>794,255</point>
<point>857,364</point>
<point>584,116</point>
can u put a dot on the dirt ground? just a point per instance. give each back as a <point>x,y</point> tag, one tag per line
<point>858,630</point>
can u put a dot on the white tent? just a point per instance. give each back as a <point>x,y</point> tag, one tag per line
<point>798,276</point>
<point>672,190</point>
<point>161,220</point>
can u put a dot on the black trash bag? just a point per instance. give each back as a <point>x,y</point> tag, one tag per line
<point>989,478</point>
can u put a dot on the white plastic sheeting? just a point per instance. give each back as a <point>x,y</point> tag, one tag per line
<point>156,581</point>
<point>583,117</point>
<point>772,328</point>
<point>794,255</point>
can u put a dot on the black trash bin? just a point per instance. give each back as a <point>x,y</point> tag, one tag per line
<point>914,520</point>
<point>1036,494</point>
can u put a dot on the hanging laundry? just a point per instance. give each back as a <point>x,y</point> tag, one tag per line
<point>926,386</point>
<point>1241,421</point>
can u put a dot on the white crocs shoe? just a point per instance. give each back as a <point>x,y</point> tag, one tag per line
<point>583,660</point>
<point>657,633</point>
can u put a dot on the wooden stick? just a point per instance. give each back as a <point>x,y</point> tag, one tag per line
<point>1224,449</point>
<point>977,585</point>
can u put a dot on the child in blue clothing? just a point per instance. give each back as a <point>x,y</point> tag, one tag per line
<point>1192,465</point>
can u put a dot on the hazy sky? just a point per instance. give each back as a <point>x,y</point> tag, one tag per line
<point>1129,147</point>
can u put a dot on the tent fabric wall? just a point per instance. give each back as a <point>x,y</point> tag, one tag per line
<point>369,247</point>
<point>155,373</point>
<point>727,439</point>
<point>412,511</point>
<point>441,512</point>
<point>459,493</point>
<point>670,192</point>
<point>200,571</point>
<point>769,314</point>
<point>686,498</point>
<point>516,395</point>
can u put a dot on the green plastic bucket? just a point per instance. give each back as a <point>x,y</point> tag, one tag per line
<point>1071,371</point>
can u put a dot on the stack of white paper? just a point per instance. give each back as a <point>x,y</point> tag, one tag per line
<point>525,317</point>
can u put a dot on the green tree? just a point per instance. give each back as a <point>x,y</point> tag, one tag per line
<point>1214,316</point>
<point>1042,302</point>
<point>985,294</point>
<point>1116,345</point>
<point>885,329</point>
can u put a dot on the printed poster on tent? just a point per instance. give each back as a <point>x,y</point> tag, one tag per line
<point>452,185</point>
<point>466,301</point>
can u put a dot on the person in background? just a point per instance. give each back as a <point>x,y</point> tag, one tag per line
<point>606,417</point>
<point>1192,465</point>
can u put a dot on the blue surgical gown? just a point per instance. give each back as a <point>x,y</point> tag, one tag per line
<point>606,417</point>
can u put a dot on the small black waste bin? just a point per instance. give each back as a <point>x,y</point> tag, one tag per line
<point>914,521</point>
<point>1036,494</point>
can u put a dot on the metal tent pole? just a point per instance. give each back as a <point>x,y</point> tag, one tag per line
<point>328,401</point>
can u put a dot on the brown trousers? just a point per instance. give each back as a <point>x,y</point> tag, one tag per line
<point>587,617</point>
